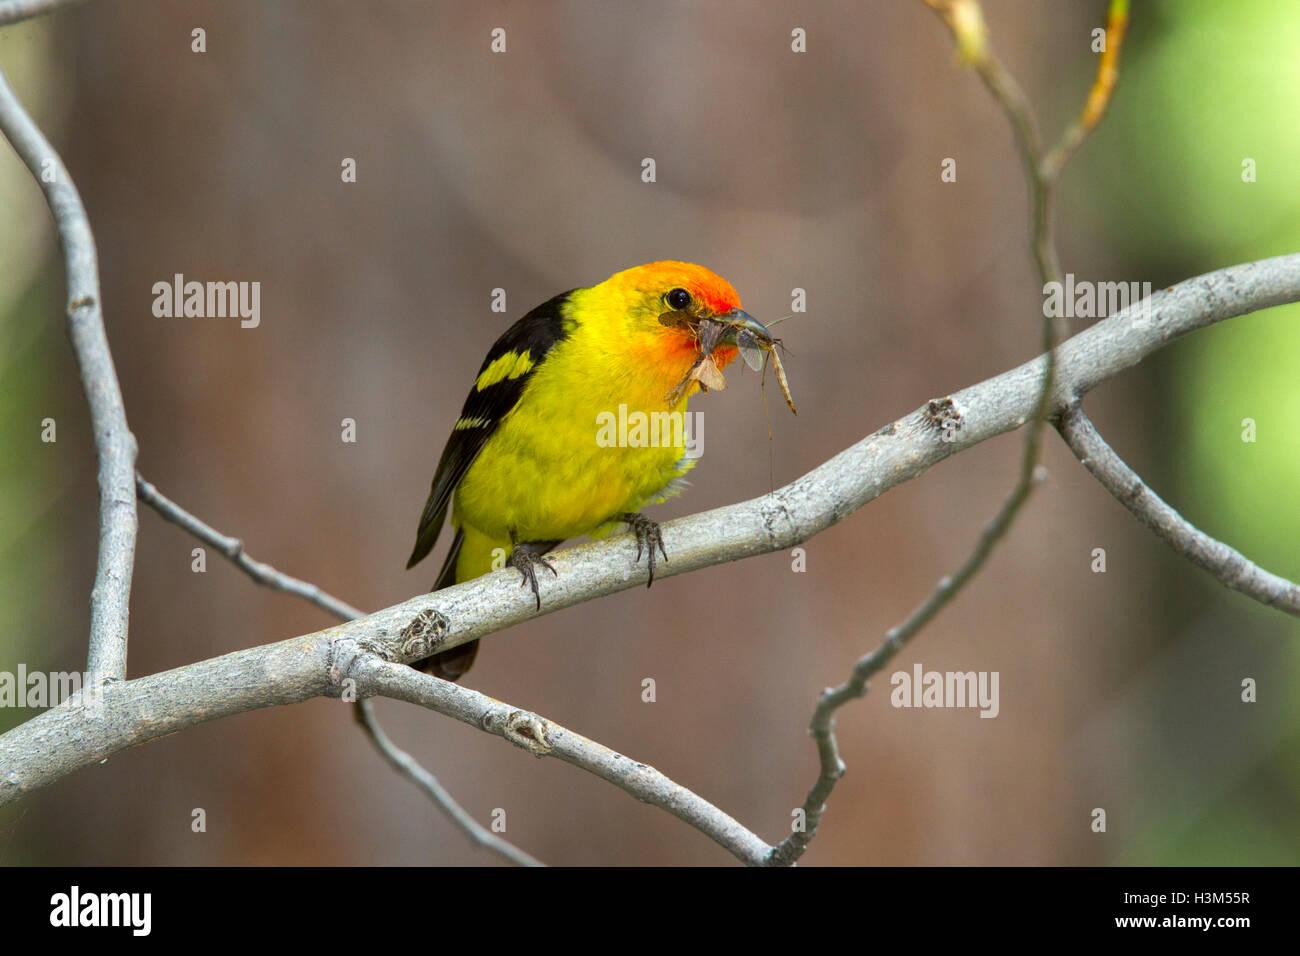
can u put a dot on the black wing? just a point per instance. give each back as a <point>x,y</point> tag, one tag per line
<point>535,334</point>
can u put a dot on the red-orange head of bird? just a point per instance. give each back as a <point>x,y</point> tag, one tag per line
<point>663,307</point>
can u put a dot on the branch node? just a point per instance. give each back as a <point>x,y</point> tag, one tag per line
<point>945,414</point>
<point>527,731</point>
<point>424,634</point>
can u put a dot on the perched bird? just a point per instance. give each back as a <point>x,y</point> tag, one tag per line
<point>523,469</point>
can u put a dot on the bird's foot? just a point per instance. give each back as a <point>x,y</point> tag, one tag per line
<point>525,557</point>
<point>648,537</point>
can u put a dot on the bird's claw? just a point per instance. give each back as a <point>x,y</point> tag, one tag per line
<point>524,560</point>
<point>648,537</point>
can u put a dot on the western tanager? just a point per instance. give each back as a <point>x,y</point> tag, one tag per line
<point>524,470</point>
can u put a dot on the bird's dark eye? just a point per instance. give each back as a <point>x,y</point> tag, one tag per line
<point>678,299</point>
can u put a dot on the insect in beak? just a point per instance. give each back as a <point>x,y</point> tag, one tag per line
<point>747,334</point>
<point>737,328</point>
<point>708,335</point>
<point>753,340</point>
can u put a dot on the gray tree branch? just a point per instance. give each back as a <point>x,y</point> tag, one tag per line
<point>362,651</point>
<point>114,443</point>
<point>410,768</point>
<point>267,576</point>
<point>1229,566</point>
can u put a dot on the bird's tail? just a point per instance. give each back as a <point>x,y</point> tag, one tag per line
<point>471,555</point>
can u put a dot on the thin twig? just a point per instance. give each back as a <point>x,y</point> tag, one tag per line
<point>1098,97</point>
<point>407,765</point>
<point>268,576</point>
<point>966,21</point>
<point>822,726</point>
<point>114,443</point>
<point>541,738</point>
<point>233,549</point>
<point>1229,566</point>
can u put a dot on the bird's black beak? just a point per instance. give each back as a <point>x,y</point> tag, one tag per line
<point>738,321</point>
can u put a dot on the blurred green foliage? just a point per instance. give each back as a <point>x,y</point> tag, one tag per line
<point>1205,88</point>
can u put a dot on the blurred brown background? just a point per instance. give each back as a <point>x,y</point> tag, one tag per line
<point>778,170</point>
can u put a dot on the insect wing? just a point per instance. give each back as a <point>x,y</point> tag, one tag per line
<point>750,350</point>
<point>710,375</point>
